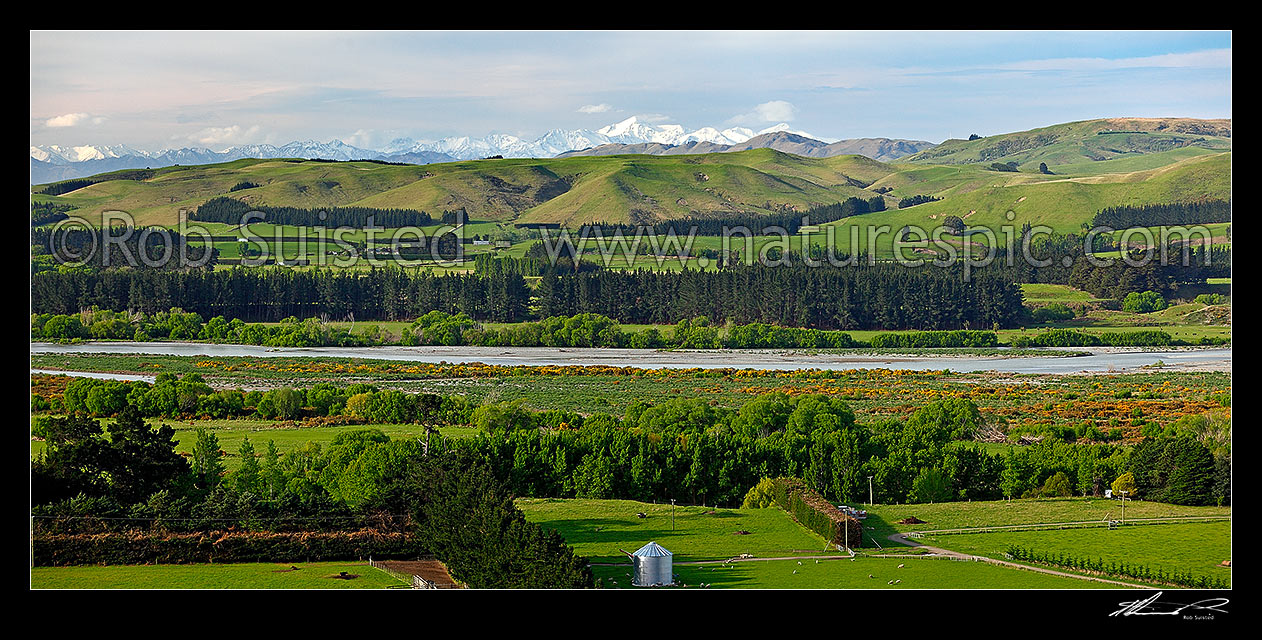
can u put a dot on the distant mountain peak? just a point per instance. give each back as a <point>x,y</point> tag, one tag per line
<point>51,163</point>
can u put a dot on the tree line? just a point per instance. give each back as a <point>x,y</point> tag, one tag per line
<point>232,211</point>
<point>883,296</point>
<point>1208,211</point>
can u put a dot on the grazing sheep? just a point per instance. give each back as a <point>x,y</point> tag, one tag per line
<point>890,582</point>
<point>900,566</point>
<point>871,576</point>
<point>795,572</point>
<point>898,582</point>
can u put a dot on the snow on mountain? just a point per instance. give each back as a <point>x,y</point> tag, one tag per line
<point>63,155</point>
<point>559,141</point>
<point>784,126</point>
<point>331,150</point>
<point>710,134</point>
<point>631,131</point>
<point>738,134</point>
<point>59,163</point>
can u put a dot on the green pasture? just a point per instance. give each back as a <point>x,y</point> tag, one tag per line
<point>310,575</point>
<point>1195,547</point>
<point>600,529</point>
<point>883,519</point>
<point>231,433</point>
<point>861,573</point>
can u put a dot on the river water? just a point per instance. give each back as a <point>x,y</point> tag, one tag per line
<point>1102,360</point>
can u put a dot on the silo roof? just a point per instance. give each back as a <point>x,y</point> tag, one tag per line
<point>652,550</point>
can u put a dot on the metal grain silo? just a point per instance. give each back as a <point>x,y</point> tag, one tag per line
<point>653,566</point>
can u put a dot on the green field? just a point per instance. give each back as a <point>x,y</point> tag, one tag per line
<point>598,529</point>
<point>232,432</point>
<point>917,573</point>
<point>1048,293</point>
<point>313,575</point>
<point>959,515</point>
<point>1198,548</point>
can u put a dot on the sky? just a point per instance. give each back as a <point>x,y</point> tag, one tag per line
<point>155,90</point>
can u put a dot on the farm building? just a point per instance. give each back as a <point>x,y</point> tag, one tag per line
<point>653,566</point>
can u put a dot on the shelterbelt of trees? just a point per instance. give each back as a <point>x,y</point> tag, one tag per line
<point>437,328</point>
<point>689,450</point>
<point>1206,211</point>
<point>232,211</point>
<point>1062,260</point>
<point>875,297</point>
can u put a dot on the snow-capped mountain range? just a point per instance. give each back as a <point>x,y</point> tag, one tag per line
<point>52,163</point>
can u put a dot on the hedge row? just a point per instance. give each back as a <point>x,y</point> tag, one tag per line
<point>812,511</point>
<point>1117,569</point>
<point>55,550</point>
<point>927,339</point>
<point>1071,338</point>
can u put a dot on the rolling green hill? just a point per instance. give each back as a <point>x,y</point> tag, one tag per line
<point>1060,202</point>
<point>1136,168</point>
<point>569,190</point>
<point>1085,141</point>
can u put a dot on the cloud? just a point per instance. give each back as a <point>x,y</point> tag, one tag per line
<point>73,120</point>
<point>1207,59</point>
<point>773,111</point>
<point>363,138</point>
<point>776,111</point>
<point>224,135</point>
<point>595,108</point>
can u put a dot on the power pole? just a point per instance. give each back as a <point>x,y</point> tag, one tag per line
<point>870,491</point>
<point>672,514</point>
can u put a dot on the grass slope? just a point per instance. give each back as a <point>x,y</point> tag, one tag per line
<point>1087,140</point>
<point>645,188</point>
<point>314,575</point>
<point>570,190</point>
<point>1061,203</point>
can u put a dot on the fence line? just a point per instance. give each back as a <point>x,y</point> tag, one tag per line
<point>416,581</point>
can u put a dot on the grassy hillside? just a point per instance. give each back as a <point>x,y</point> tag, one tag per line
<point>1063,203</point>
<point>1085,141</point>
<point>570,190</point>
<point>157,200</point>
<point>1091,168</point>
